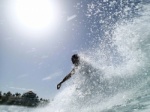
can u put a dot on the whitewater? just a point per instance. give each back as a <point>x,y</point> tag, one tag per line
<point>119,76</point>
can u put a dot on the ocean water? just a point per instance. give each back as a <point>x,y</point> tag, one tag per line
<point>119,76</point>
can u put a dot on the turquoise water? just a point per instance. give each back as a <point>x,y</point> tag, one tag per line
<point>117,86</point>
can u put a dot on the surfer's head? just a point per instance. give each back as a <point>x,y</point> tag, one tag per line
<point>75,59</point>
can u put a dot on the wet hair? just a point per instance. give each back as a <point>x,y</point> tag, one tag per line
<point>75,59</point>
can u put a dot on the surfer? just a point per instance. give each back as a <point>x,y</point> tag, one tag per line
<point>76,61</point>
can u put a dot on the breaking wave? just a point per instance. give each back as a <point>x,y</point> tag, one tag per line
<point>114,76</point>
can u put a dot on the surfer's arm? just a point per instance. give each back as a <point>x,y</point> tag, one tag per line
<point>66,78</point>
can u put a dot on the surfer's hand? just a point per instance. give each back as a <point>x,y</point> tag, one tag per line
<point>59,85</point>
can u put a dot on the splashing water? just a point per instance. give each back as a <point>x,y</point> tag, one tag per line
<point>118,77</point>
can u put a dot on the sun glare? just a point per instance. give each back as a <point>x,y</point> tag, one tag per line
<point>37,14</point>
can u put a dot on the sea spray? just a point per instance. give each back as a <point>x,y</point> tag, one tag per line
<point>122,61</point>
<point>131,42</point>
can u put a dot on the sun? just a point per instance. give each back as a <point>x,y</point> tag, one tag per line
<point>37,14</point>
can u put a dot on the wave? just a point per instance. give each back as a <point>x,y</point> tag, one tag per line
<point>114,76</point>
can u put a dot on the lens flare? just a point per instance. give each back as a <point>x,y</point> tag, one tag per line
<point>37,14</point>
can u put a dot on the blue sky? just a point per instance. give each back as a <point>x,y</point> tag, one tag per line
<point>34,59</point>
<point>38,58</point>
